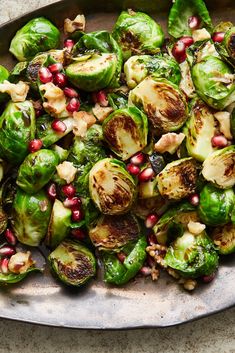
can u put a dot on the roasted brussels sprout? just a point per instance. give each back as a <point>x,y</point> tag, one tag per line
<point>11,278</point>
<point>138,67</point>
<point>4,74</point>
<point>216,205</point>
<point>126,131</point>
<point>17,128</point>
<point>111,187</point>
<point>192,255</point>
<point>36,36</point>
<point>219,167</point>
<point>30,217</point>
<point>36,170</point>
<point>73,263</point>
<point>137,33</point>
<point>229,42</point>
<point>224,238</point>
<point>163,103</point>
<point>214,82</point>
<point>178,179</point>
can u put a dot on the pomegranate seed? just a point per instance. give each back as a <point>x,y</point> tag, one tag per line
<point>121,256</point>
<point>38,112</point>
<point>73,202</point>
<point>138,158</point>
<point>187,40</point>
<point>133,169</point>
<point>179,51</point>
<point>45,75</point>
<point>77,215</point>
<point>7,250</point>
<point>60,80</point>
<point>4,265</point>
<point>194,22</point>
<point>73,105</point>
<point>151,239</point>
<point>218,37</point>
<point>54,68</point>
<point>151,220</point>
<point>51,191</point>
<point>78,234</point>
<point>70,92</point>
<point>69,190</point>
<point>101,98</point>
<point>146,174</point>
<point>209,278</point>
<point>10,237</point>
<point>58,126</point>
<point>219,141</point>
<point>35,145</point>
<point>69,43</point>
<point>145,271</point>
<point>194,199</point>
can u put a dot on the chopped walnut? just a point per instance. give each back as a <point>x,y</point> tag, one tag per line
<point>18,91</point>
<point>20,262</point>
<point>224,122</point>
<point>101,113</point>
<point>87,117</point>
<point>169,142</point>
<point>80,125</point>
<point>78,24</point>
<point>200,34</point>
<point>66,171</point>
<point>196,227</point>
<point>56,100</point>
<point>155,273</point>
<point>189,284</point>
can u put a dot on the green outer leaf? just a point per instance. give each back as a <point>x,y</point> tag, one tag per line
<point>12,278</point>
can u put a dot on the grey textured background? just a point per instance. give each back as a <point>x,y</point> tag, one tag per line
<point>215,334</point>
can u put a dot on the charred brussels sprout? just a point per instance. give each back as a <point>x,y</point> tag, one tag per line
<point>111,187</point>
<point>126,131</point>
<point>4,74</point>
<point>224,239</point>
<point>219,167</point>
<point>73,263</point>
<point>30,217</point>
<point>36,170</point>
<point>178,179</point>
<point>192,255</point>
<point>229,42</point>
<point>36,36</point>
<point>163,103</point>
<point>214,82</point>
<point>17,128</point>
<point>216,205</point>
<point>137,33</point>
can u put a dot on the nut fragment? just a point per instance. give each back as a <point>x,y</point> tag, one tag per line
<point>190,284</point>
<point>101,113</point>
<point>18,91</point>
<point>169,142</point>
<point>20,262</point>
<point>78,24</point>
<point>224,122</point>
<point>66,171</point>
<point>56,100</point>
<point>196,227</point>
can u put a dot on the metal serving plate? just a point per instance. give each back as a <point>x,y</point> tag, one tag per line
<point>142,303</point>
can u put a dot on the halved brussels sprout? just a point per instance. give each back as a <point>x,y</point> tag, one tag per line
<point>192,255</point>
<point>73,263</point>
<point>113,232</point>
<point>17,128</point>
<point>178,179</point>
<point>214,82</point>
<point>11,278</point>
<point>163,103</point>
<point>224,238</point>
<point>4,74</point>
<point>216,205</point>
<point>199,130</point>
<point>138,67</point>
<point>126,131</point>
<point>137,33</point>
<point>36,36</point>
<point>111,187</point>
<point>36,170</point>
<point>30,217</point>
<point>219,167</point>
<point>229,42</point>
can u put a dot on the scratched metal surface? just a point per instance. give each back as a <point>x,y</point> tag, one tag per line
<point>142,303</point>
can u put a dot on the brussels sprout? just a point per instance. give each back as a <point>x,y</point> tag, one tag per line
<point>148,189</point>
<point>113,232</point>
<point>163,103</point>
<point>126,131</point>
<point>36,170</point>
<point>192,255</point>
<point>224,238</point>
<point>4,74</point>
<point>11,278</point>
<point>178,179</point>
<point>219,167</point>
<point>138,67</point>
<point>17,128</point>
<point>180,13</point>
<point>30,217</point>
<point>216,205</point>
<point>199,130</point>
<point>59,225</point>
<point>229,42</point>
<point>137,33</point>
<point>213,80</point>
<point>111,187</point>
<point>61,152</point>
<point>73,263</point>
<point>37,35</point>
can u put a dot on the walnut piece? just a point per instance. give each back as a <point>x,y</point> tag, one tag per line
<point>196,227</point>
<point>66,171</point>
<point>20,262</point>
<point>224,122</point>
<point>56,100</point>
<point>200,34</point>
<point>18,91</point>
<point>101,113</point>
<point>87,117</point>
<point>169,142</point>
<point>78,24</point>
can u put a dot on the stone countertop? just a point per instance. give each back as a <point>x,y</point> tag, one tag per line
<point>215,334</point>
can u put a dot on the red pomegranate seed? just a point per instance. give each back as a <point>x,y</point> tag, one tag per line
<point>138,158</point>
<point>146,174</point>
<point>60,80</point>
<point>51,191</point>
<point>151,239</point>
<point>194,199</point>
<point>78,234</point>
<point>54,68</point>
<point>7,250</point>
<point>58,126</point>
<point>70,92</point>
<point>35,145</point>
<point>77,215</point>
<point>121,256</point>
<point>187,40</point>
<point>179,51</point>
<point>145,271</point>
<point>219,141</point>
<point>10,237</point>
<point>194,22</point>
<point>73,202</point>
<point>45,75</point>
<point>218,37</point>
<point>69,190</point>
<point>38,112</point>
<point>133,169</point>
<point>151,220</point>
<point>4,265</point>
<point>101,98</point>
<point>209,278</point>
<point>69,43</point>
<point>73,105</point>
